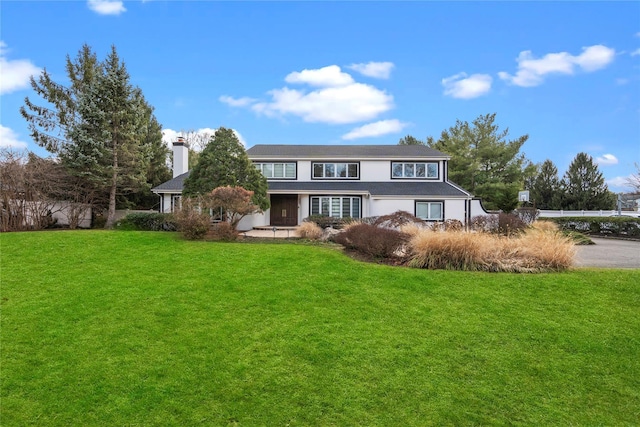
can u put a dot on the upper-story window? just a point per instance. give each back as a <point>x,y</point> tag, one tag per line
<point>421,170</point>
<point>277,170</point>
<point>336,170</point>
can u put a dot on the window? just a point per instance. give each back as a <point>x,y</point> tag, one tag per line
<point>277,170</point>
<point>336,206</point>
<point>430,211</point>
<point>336,170</point>
<point>414,170</point>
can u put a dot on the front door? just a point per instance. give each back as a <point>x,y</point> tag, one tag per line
<point>284,210</point>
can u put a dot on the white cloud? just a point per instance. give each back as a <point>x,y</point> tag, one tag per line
<point>15,73</point>
<point>620,182</point>
<point>378,70</point>
<point>8,138</point>
<point>607,160</point>
<point>382,127</point>
<point>531,71</point>
<point>237,102</point>
<point>335,98</point>
<point>330,76</point>
<point>463,87</point>
<point>635,52</point>
<point>334,105</point>
<point>106,7</point>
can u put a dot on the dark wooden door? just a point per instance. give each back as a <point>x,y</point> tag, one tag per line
<point>284,210</point>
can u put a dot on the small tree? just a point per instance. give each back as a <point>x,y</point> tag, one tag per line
<point>224,162</point>
<point>584,186</point>
<point>484,161</point>
<point>545,187</point>
<point>235,202</point>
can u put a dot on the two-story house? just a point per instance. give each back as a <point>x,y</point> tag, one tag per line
<point>344,181</point>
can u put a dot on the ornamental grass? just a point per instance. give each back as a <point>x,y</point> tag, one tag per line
<point>540,249</point>
<point>309,230</point>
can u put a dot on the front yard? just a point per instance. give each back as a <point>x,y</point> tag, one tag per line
<point>143,328</point>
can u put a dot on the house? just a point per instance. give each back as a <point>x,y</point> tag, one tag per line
<point>344,181</point>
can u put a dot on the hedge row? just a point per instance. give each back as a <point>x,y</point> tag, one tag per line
<point>599,225</point>
<point>148,222</point>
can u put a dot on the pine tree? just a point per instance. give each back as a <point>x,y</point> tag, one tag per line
<point>545,189</point>
<point>484,162</point>
<point>584,186</point>
<point>100,126</point>
<point>410,140</point>
<point>224,162</point>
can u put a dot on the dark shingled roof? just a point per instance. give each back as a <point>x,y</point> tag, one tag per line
<point>175,184</point>
<point>388,188</point>
<point>343,151</point>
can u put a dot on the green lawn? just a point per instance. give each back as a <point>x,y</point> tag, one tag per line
<point>138,328</point>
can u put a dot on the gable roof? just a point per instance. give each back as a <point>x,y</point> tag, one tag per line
<point>174,185</point>
<point>281,151</point>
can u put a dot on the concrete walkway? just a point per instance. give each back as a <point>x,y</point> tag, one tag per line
<point>266,234</point>
<point>609,253</point>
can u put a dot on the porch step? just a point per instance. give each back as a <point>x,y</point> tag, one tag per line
<point>271,227</point>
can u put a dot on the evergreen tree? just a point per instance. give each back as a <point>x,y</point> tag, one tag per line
<point>484,161</point>
<point>544,187</point>
<point>100,126</point>
<point>584,186</point>
<point>410,140</point>
<point>224,162</point>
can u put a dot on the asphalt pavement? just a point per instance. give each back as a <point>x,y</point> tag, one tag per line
<point>609,253</point>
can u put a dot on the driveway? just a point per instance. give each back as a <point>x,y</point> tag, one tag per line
<point>609,253</point>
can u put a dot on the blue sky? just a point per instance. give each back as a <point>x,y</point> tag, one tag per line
<point>565,73</point>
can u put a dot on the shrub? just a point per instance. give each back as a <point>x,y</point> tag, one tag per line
<point>373,241</point>
<point>396,220</point>
<point>618,226</point>
<point>151,221</point>
<point>192,222</point>
<point>502,223</point>
<point>235,202</point>
<point>328,221</point>
<point>527,214</point>
<point>224,231</point>
<point>536,250</point>
<point>309,230</point>
<point>448,250</point>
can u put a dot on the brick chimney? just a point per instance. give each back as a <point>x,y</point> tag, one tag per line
<point>180,157</point>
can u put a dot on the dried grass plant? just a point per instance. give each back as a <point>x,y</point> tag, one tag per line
<point>309,230</point>
<point>539,249</point>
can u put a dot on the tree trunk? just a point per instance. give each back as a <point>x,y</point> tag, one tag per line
<point>111,215</point>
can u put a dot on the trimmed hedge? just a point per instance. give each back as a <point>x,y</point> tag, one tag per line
<point>600,225</point>
<point>151,221</point>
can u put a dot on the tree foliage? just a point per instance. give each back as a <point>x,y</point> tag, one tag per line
<point>100,126</point>
<point>235,202</point>
<point>545,189</point>
<point>484,161</point>
<point>410,140</point>
<point>584,186</point>
<point>224,162</point>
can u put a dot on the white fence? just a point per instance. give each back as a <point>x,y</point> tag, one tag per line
<point>555,214</point>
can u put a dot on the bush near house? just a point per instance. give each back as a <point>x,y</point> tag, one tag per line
<point>152,221</point>
<point>600,226</point>
<point>498,243</point>
<point>374,241</point>
<point>309,231</point>
<point>193,222</point>
<point>328,221</point>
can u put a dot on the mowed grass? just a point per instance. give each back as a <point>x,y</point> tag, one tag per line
<point>133,328</point>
